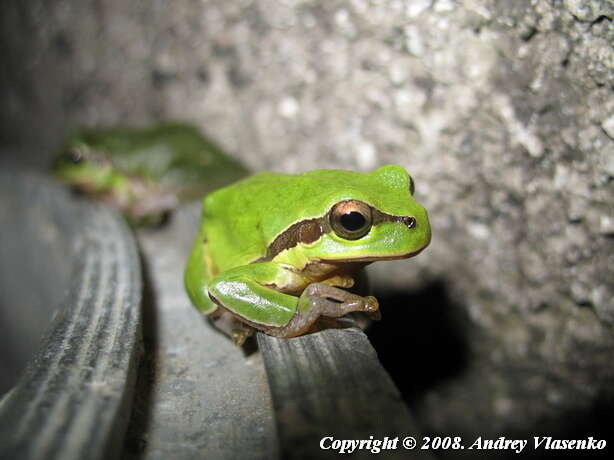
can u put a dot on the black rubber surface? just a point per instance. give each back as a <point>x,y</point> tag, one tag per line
<point>73,398</point>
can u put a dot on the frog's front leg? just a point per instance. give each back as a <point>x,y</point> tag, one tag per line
<point>320,299</point>
<point>250,292</point>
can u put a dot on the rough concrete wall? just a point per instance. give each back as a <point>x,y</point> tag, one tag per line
<point>502,111</point>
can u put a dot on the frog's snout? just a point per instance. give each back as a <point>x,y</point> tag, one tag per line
<point>409,221</point>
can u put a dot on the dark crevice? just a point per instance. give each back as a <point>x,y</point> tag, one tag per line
<point>591,22</point>
<point>528,35</point>
<point>601,19</point>
<point>606,133</point>
<point>422,338</point>
<point>136,437</point>
<point>566,60</point>
<point>160,78</point>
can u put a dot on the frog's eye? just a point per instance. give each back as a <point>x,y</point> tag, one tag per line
<point>75,156</point>
<point>412,187</point>
<point>351,219</point>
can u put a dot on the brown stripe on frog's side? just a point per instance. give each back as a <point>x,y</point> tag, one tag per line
<point>305,231</point>
<point>310,230</point>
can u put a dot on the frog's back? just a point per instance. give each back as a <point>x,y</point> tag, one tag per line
<point>240,220</point>
<point>176,155</point>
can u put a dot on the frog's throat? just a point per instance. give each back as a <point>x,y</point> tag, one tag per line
<point>309,230</point>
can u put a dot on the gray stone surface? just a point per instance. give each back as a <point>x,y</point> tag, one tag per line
<point>199,396</point>
<point>502,110</point>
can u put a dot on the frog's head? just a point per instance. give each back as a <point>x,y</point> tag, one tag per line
<point>368,217</point>
<point>88,169</point>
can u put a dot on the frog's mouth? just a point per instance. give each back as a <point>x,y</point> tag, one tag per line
<point>368,260</point>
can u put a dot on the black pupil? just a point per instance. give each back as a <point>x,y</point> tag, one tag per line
<point>353,221</point>
<point>74,157</point>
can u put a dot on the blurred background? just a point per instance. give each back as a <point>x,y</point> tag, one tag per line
<point>502,112</point>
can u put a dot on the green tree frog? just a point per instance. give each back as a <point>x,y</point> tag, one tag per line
<point>275,252</point>
<point>145,172</point>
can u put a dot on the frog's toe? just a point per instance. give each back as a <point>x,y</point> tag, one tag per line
<point>371,304</point>
<point>239,336</point>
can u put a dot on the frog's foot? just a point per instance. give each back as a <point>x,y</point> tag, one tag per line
<point>319,299</point>
<point>342,281</point>
<point>241,334</point>
<point>230,326</point>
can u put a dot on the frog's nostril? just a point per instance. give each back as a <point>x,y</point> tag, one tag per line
<point>409,221</point>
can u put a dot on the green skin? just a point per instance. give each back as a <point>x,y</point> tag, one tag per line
<point>268,256</point>
<point>145,172</point>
